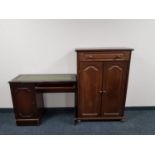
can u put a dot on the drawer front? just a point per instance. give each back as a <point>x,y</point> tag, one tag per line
<point>56,87</point>
<point>104,56</point>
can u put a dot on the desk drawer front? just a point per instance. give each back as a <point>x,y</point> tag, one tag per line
<point>104,56</point>
<point>56,87</point>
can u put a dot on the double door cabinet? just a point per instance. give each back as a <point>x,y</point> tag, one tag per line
<point>102,76</point>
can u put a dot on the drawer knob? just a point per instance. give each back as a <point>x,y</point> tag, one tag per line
<point>117,57</point>
<point>90,56</point>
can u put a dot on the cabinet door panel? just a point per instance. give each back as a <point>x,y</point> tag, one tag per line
<point>24,101</point>
<point>114,84</point>
<point>90,84</point>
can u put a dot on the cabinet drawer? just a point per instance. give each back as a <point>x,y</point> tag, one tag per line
<point>104,56</point>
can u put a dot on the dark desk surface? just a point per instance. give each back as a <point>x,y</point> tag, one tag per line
<point>44,78</point>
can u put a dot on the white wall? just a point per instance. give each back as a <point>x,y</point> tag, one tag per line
<point>47,46</point>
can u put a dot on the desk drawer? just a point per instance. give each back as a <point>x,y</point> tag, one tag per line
<point>109,56</point>
<point>56,87</point>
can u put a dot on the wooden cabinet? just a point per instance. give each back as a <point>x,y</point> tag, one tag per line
<point>27,108</point>
<point>102,76</point>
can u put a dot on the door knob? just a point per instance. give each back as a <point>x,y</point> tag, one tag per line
<point>104,91</point>
<point>100,91</point>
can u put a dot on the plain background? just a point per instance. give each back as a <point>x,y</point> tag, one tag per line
<point>47,46</point>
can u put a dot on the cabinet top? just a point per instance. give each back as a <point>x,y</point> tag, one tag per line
<point>45,78</point>
<point>104,49</point>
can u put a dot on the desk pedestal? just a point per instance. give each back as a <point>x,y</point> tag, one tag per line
<point>28,104</point>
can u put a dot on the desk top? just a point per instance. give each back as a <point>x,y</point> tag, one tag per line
<point>45,78</point>
<point>116,49</point>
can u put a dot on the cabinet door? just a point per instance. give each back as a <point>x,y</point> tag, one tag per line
<point>24,101</point>
<point>90,83</point>
<point>114,88</point>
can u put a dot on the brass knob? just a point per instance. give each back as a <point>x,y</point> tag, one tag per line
<point>100,91</point>
<point>90,56</point>
<point>117,57</point>
<point>104,91</point>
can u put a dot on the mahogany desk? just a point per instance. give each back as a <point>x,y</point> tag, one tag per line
<point>27,93</point>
